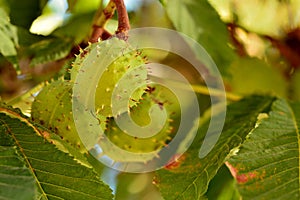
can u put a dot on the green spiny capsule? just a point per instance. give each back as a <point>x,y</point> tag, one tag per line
<point>156,95</point>
<point>53,109</point>
<point>124,59</point>
<point>53,105</point>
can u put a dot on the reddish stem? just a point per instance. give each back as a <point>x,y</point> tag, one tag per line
<point>105,15</point>
<point>101,17</point>
<point>123,20</point>
<point>99,32</point>
<point>234,38</point>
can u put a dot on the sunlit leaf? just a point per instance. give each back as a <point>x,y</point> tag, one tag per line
<point>8,35</point>
<point>199,20</point>
<point>53,16</point>
<point>267,17</point>
<point>82,22</point>
<point>251,75</point>
<point>267,165</point>
<point>81,18</point>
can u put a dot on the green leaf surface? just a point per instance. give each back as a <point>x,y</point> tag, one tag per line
<point>223,186</point>
<point>190,179</point>
<point>49,50</point>
<point>263,17</point>
<point>22,13</point>
<point>57,175</point>
<point>199,20</point>
<point>16,180</point>
<point>8,35</point>
<point>296,85</point>
<point>267,165</point>
<point>254,76</point>
<point>136,187</point>
<point>26,38</point>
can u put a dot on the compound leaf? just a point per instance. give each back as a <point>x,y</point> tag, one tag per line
<point>49,50</point>
<point>16,180</point>
<point>267,165</point>
<point>55,174</point>
<point>190,179</point>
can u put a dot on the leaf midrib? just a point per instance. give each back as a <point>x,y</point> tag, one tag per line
<point>259,110</point>
<point>56,105</point>
<point>10,114</point>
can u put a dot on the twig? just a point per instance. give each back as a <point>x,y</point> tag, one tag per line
<point>100,19</point>
<point>123,20</point>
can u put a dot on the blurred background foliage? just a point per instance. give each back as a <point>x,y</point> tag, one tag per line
<point>255,44</point>
<point>40,37</point>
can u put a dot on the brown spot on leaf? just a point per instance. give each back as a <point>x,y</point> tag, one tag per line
<point>45,134</point>
<point>241,178</point>
<point>175,162</point>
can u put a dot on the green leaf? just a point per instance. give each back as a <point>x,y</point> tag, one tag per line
<point>296,86</point>
<point>42,49</point>
<point>26,38</point>
<point>251,75</point>
<point>267,164</point>
<point>16,180</point>
<point>57,175</point>
<point>78,27</point>
<point>48,50</point>
<point>22,13</point>
<point>190,180</point>
<point>8,35</point>
<point>136,187</point>
<point>199,20</point>
<point>262,17</point>
<point>222,186</point>
<point>82,16</point>
<point>4,5</point>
